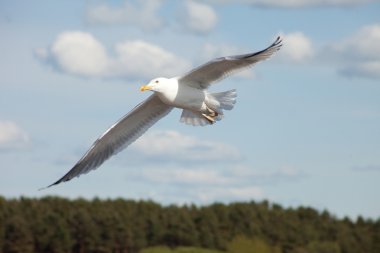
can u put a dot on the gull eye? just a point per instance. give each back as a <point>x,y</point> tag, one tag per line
<point>156,81</point>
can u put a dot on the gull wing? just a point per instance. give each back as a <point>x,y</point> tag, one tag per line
<point>119,136</point>
<point>219,68</point>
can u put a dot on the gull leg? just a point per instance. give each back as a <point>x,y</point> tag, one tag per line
<point>210,115</point>
<point>210,119</point>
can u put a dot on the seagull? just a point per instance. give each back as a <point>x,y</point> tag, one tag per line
<point>188,92</point>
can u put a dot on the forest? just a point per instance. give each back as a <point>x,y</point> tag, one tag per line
<point>59,225</point>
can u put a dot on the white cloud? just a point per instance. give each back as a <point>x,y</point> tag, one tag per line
<point>12,136</point>
<point>297,48</point>
<point>174,146</point>
<point>206,183</point>
<point>198,17</point>
<point>207,195</point>
<point>228,194</point>
<point>359,54</point>
<point>298,3</point>
<point>362,45</point>
<point>203,184</point>
<point>356,55</point>
<point>223,175</point>
<point>195,16</point>
<point>80,53</point>
<point>141,13</point>
<point>190,176</point>
<point>283,174</point>
<point>140,58</point>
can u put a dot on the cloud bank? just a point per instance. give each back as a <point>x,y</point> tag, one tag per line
<point>142,14</point>
<point>195,17</point>
<point>358,54</point>
<point>201,170</point>
<point>362,51</point>
<point>206,183</point>
<point>172,146</point>
<point>80,53</point>
<point>204,171</point>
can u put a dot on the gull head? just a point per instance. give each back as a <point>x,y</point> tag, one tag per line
<point>160,84</point>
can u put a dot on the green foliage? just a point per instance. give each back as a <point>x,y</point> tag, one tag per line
<point>58,225</point>
<point>165,249</point>
<point>242,244</point>
<point>323,247</point>
<point>18,238</point>
<point>157,249</point>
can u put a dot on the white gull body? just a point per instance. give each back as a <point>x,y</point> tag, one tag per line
<point>188,92</point>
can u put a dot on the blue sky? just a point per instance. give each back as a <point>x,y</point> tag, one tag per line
<point>304,131</point>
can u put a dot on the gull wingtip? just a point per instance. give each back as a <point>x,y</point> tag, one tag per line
<point>278,41</point>
<point>44,188</point>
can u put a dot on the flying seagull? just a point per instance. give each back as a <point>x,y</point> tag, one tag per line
<point>187,92</point>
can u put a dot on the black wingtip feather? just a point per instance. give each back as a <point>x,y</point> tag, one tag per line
<point>63,179</point>
<point>277,42</point>
<point>55,183</point>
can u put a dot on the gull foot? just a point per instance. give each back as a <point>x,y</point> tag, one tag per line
<point>209,118</point>
<point>210,115</point>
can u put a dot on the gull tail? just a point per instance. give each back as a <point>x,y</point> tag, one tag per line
<point>193,118</point>
<point>216,103</point>
<point>221,100</point>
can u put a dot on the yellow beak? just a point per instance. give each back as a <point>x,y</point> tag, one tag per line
<point>145,87</point>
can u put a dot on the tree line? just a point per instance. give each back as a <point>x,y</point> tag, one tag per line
<point>59,225</point>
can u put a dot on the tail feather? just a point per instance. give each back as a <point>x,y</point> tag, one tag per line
<point>191,118</point>
<point>222,100</point>
<point>216,102</point>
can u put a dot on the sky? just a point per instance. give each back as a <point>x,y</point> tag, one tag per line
<point>305,130</point>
